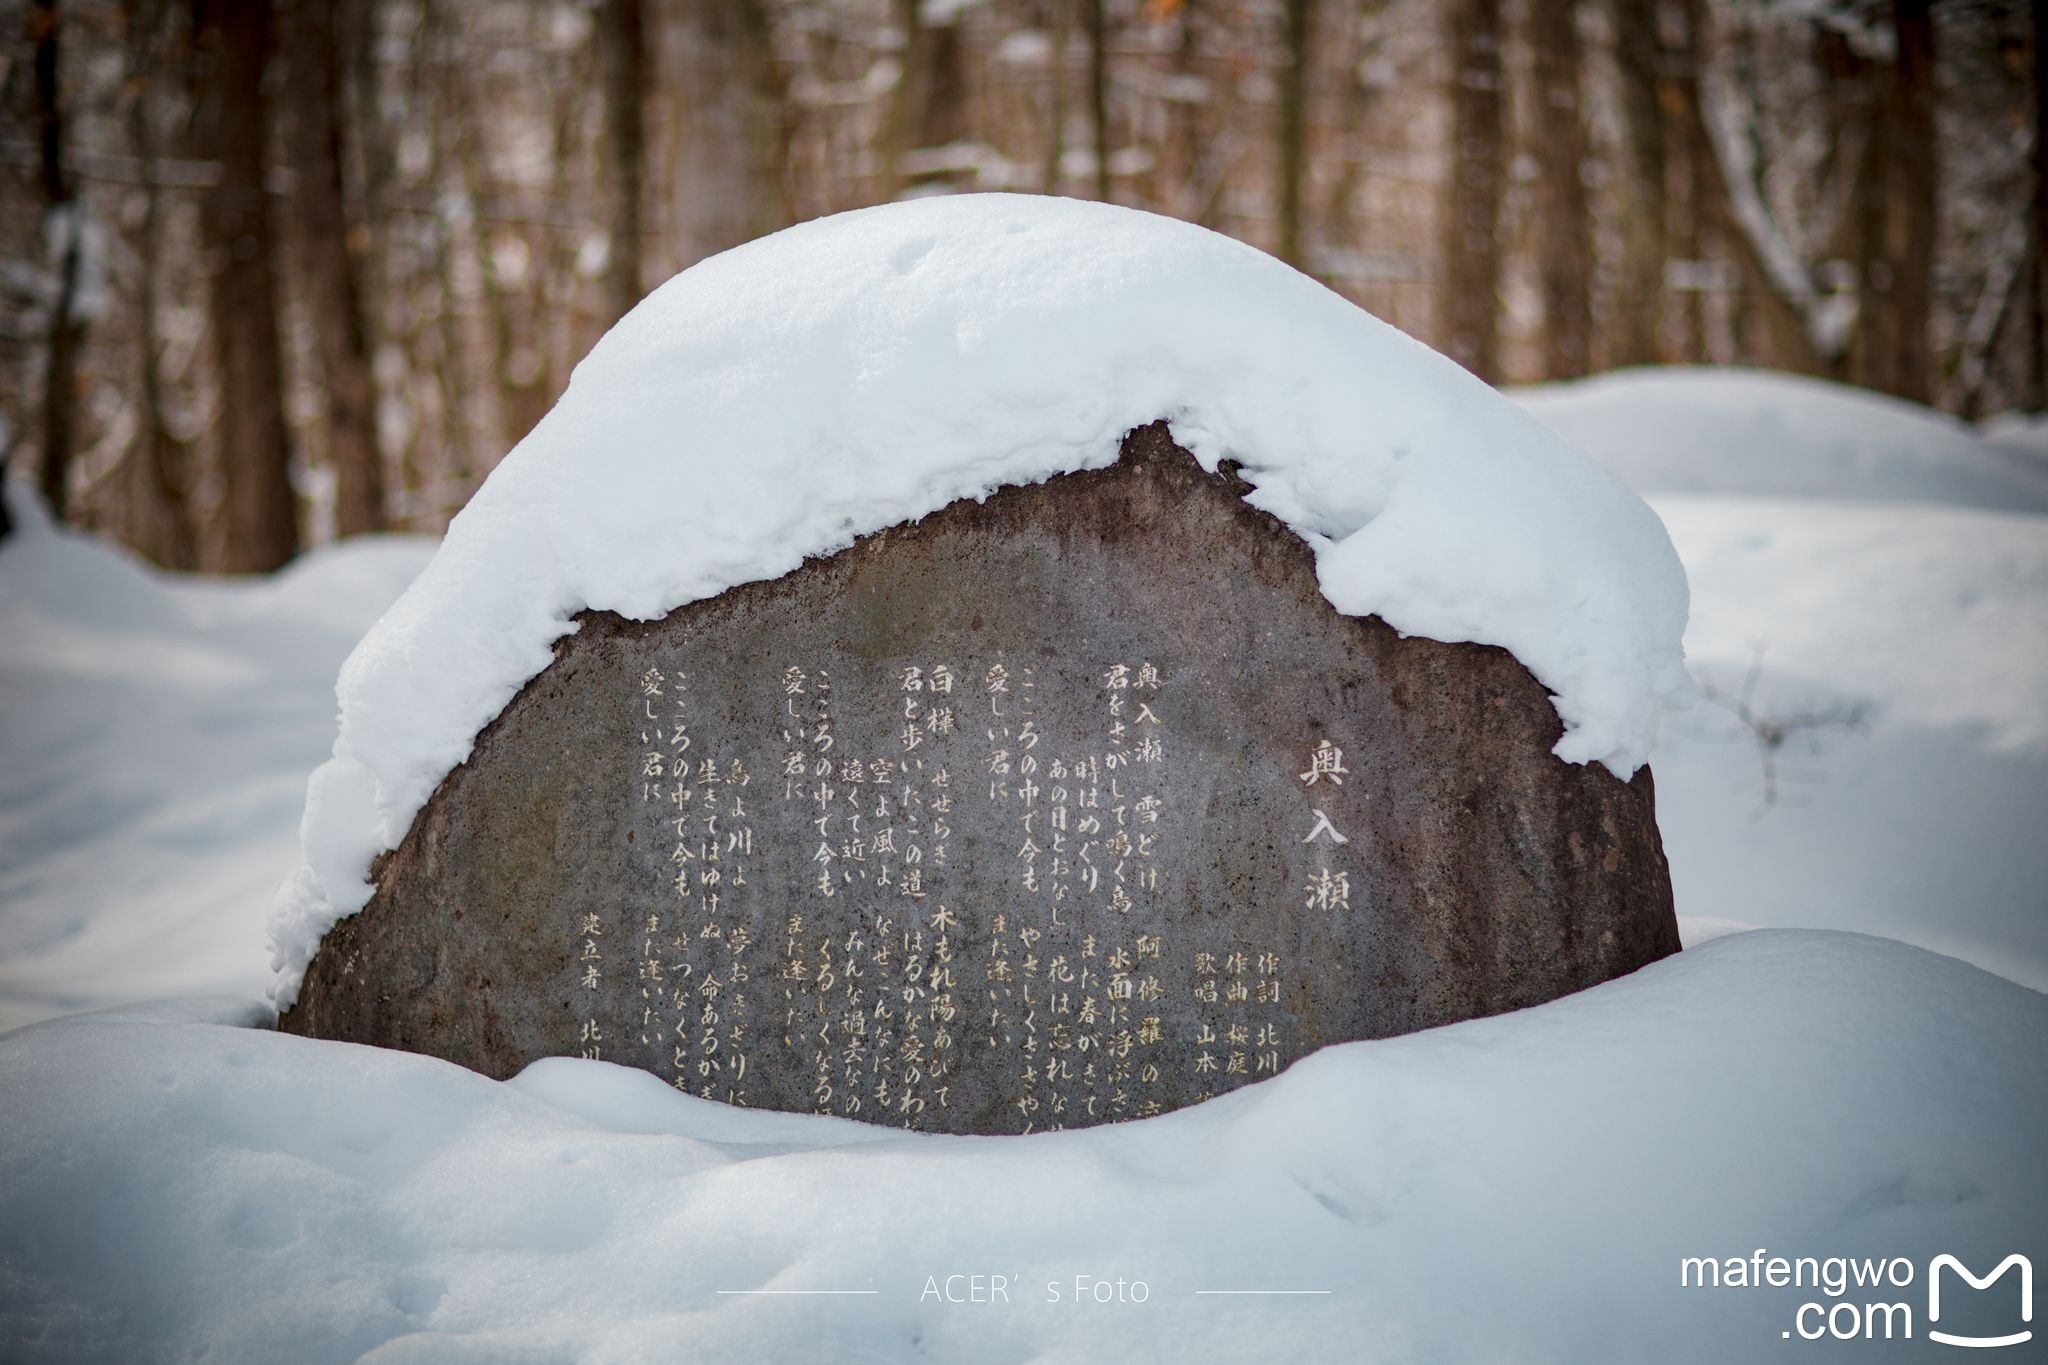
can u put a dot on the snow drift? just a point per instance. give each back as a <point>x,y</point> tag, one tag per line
<point>1517,1188</point>
<point>1698,429</point>
<point>155,734</point>
<point>1894,659</point>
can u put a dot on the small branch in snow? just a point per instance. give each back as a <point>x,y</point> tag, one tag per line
<point>1770,733</point>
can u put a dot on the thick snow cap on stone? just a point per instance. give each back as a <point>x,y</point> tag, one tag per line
<point>775,402</point>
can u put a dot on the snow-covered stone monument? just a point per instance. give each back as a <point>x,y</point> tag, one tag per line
<point>993,664</point>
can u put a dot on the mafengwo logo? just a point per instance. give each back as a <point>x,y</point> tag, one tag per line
<point>1856,1318</point>
<point>1942,1262</point>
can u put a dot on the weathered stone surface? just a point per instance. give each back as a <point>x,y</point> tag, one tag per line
<point>1095,858</point>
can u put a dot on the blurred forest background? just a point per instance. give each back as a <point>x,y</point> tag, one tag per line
<point>272,273</point>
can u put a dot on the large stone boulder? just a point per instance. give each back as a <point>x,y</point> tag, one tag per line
<point>1077,804</point>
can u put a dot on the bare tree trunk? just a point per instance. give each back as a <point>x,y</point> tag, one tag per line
<point>1717,228</point>
<point>1855,158</point>
<point>944,117</point>
<point>360,28</point>
<point>1689,141</point>
<point>1098,92</point>
<point>1910,217</point>
<point>1564,233</point>
<point>161,520</point>
<point>66,226</point>
<point>1056,132</point>
<point>621,37</point>
<point>259,514</point>
<point>900,134</point>
<point>551,288</point>
<point>930,107</point>
<point>726,187</point>
<point>1472,252</point>
<point>1986,323</point>
<point>1644,244</point>
<point>416,290</point>
<point>1293,131</point>
<point>334,302</point>
<point>1871,348</point>
<point>448,459</point>
<point>370,166</point>
<point>1894,216</point>
<point>2036,392</point>
<point>1191,131</point>
<point>516,363</point>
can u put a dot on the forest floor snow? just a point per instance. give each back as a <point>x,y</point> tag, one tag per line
<point>182,1186</point>
<point>1871,755</point>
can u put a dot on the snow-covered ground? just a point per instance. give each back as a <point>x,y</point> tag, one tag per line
<point>1869,588</point>
<point>1514,1189</point>
<point>155,735</point>
<point>1870,630</point>
<point>1905,651</point>
<point>1762,434</point>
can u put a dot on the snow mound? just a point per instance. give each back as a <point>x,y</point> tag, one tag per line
<point>1951,633</point>
<point>1893,661</point>
<point>158,730</point>
<point>777,401</point>
<point>2023,433</point>
<point>1729,431</point>
<point>1518,1188</point>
